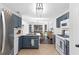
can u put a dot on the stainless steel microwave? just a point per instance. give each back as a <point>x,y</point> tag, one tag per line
<point>65,23</point>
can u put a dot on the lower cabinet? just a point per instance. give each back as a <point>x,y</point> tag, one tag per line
<point>20,43</point>
<point>28,42</point>
<point>35,43</point>
<point>62,45</point>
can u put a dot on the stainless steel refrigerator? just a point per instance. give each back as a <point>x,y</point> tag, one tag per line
<point>6,33</point>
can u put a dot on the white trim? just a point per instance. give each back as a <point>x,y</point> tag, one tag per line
<point>12,12</point>
<point>62,14</point>
<point>16,13</point>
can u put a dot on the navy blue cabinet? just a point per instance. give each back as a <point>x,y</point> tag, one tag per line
<point>36,45</point>
<point>36,41</point>
<point>61,18</point>
<point>17,20</point>
<point>26,42</point>
<point>20,45</point>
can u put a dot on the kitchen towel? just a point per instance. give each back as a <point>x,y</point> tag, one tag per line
<point>32,42</point>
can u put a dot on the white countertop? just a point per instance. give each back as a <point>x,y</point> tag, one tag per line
<point>62,37</point>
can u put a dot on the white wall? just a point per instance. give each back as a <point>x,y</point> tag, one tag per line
<point>74,28</point>
<point>52,24</point>
<point>25,27</point>
<point>34,21</point>
<point>1,6</point>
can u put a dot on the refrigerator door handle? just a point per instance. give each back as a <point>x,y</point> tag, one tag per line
<point>4,31</point>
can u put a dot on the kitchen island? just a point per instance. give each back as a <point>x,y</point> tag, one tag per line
<point>29,42</point>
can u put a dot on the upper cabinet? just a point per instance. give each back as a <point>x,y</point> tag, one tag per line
<point>17,20</point>
<point>61,18</point>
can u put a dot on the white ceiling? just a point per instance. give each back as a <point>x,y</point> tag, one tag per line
<point>51,9</point>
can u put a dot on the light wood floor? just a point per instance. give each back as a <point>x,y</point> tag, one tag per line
<point>44,49</point>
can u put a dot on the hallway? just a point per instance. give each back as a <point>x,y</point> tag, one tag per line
<point>44,49</point>
<point>45,41</point>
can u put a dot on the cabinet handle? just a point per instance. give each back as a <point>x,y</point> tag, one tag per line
<point>32,42</point>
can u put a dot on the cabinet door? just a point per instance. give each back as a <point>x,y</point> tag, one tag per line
<point>61,18</point>
<point>26,42</point>
<point>58,22</point>
<point>57,41</point>
<point>16,21</point>
<point>36,44</point>
<point>19,22</point>
<point>20,43</point>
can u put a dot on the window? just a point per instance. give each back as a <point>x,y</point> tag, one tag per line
<point>30,28</point>
<point>38,28</point>
<point>45,27</point>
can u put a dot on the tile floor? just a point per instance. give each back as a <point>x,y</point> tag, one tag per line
<point>44,49</point>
